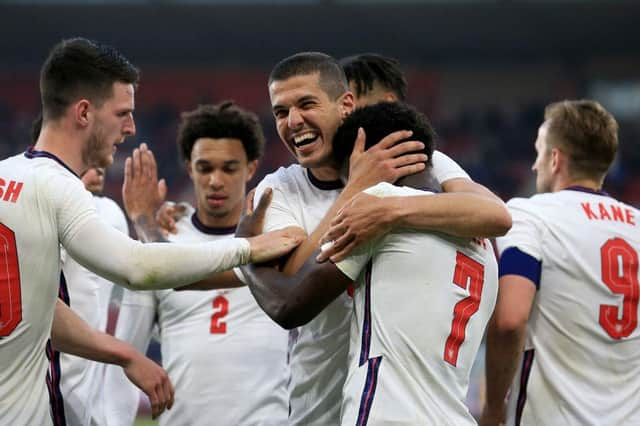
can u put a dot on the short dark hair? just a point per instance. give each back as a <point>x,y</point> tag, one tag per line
<point>331,75</point>
<point>369,68</point>
<point>588,134</point>
<point>224,120</point>
<point>80,68</point>
<point>378,121</point>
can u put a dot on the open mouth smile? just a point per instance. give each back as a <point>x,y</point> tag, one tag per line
<point>304,139</point>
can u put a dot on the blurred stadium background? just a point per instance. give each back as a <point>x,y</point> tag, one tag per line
<point>481,70</point>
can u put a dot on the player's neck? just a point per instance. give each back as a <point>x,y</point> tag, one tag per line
<point>59,143</point>
<point>417,180</point>
<point>222,221</point>
<point>583,183</point>
<point>325,174</point>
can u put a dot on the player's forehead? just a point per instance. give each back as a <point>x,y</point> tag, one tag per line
<point>543,134</point>
<point>290,91</point>
<point>122,96</point>
<point>218,151</point>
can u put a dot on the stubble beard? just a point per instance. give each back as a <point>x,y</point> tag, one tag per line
<point>95,153</point>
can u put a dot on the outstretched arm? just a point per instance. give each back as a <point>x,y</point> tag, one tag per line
<point>143,194</point>
<point>72,335</point>
<point>158,265</point>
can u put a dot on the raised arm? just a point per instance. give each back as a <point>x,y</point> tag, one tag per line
<point>72,335</point>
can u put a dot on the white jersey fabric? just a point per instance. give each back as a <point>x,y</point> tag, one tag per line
<point>581,364</point>
<point>318,350</point>
<point>81,381</point>
<point>226,359</point>
<point>42,205</point>
<point>422,302</point>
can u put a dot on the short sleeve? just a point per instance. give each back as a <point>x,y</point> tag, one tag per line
<point>527,231</point>
<point>444,168</point>
<point>279,213</point>
<point>353,264</point>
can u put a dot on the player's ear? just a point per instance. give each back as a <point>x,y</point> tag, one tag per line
<point>82,112</point>
<point>252,166</point>
<point>188,166</point>
<point>558,159</point>
<point>347,104</point>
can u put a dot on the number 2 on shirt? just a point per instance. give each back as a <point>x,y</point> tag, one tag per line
<point>468,274</point>
<point>10,293</point>
<point>221,309</point>
<point>620,274</point>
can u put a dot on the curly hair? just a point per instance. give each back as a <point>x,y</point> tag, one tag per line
<point>224,120</point>
<point>367,69</point>
<point>378,121</point>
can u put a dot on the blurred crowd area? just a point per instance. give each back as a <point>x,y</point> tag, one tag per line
<point>488,129</point>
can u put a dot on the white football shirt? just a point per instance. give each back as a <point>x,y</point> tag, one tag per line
<point>42,205</point>
<point>318,350</point>
<point>226,359</point>
<point>422,302</point>
<point>581,364</point>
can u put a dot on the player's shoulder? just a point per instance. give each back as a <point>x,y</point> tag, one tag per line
<point>535,202</point>
<point>385,189</point>
<point>46,176</point>
<point>284,175</point>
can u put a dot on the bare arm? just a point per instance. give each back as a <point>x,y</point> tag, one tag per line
<point>72,335</point>
<point>293,300</point>
<point>466,209</point>
<point>505,341</point>
<point>383,162</point>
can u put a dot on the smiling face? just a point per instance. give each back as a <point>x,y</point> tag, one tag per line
<point>112,123</point>
<point>220,171</point>
<point>306,118</point>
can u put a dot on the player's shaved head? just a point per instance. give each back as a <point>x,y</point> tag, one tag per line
<point>331,77</point>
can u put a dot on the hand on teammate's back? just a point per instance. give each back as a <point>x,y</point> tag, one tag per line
<point>271,245</point>
<point>153,380</point>
<point>142,193</point>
